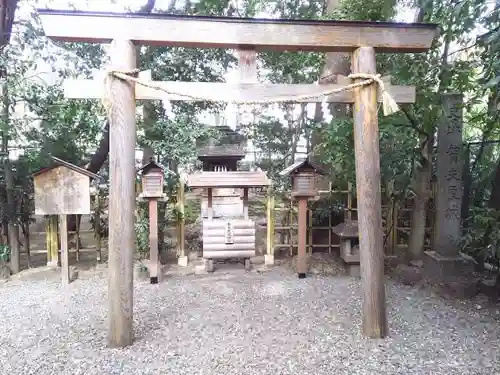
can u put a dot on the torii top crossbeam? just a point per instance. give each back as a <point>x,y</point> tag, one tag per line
<point>229,32</point>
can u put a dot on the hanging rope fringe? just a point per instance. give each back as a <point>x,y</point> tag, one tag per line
<point>389,105</point>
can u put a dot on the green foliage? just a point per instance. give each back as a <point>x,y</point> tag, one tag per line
<point>142,232</point>
<point>482,239</point>
<point>4,253</point>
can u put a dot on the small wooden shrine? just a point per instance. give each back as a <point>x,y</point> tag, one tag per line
<point>152,178</point>
<point>223,156</point>
<point>228,237</point>
<point>305,178</point>
<point>304,175</point>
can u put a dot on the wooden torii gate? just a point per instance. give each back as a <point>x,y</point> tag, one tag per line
<point>124,31</point>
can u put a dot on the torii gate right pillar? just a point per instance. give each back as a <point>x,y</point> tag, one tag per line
<point>366,148</point>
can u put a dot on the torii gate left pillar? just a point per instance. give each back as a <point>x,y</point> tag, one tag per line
<point>122,173</point>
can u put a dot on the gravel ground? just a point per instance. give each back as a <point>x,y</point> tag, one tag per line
<point>240,323</point>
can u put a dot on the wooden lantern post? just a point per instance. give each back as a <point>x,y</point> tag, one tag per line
<point>152,191</point>
<point>62,189</point>
<point>303,174</point>
<point>361,39</point>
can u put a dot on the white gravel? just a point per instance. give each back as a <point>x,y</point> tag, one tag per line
<point>240,323</point>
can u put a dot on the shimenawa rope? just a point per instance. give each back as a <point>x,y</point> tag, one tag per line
<point>388,103</point>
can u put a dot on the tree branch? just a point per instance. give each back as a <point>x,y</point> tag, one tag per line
<point>413,122</point>
<point>148,7</point>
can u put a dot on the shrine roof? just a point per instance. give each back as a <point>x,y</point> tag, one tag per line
<point>348,229</point>
<point>306,163</point>
<point>152,164</point>
<point>222,151</point>
<point>59,162</point>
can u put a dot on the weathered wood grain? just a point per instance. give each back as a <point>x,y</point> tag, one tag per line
<point>233,179</point>
<point>220,32</point>
<point>122,175</point>
<point>228,254</point>
<point>367,155</point>
<point>61,191</point>
<point>214,239</point>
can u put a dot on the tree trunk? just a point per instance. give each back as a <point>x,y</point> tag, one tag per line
<point>7,13</point>
<point>423,173</point>
<point>99,158</point>
<point>12,227</point>
<point>421,201</point>
<point>27,242</point>
<point>335,63</point>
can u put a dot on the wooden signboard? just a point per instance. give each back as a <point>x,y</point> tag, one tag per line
<point>229,238</point>
<point>63,189</point>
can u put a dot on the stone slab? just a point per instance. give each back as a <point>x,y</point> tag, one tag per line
<point>437,266</point>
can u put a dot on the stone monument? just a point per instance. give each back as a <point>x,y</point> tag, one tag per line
<point>444,259</point>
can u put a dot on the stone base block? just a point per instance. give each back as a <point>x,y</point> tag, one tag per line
<point>182,261</point>
<point>440,267</point>
<point>73,273</point>
<point>248,264</point>
<point>354,270</point>
<point>269,260</point>
<point>200,269</point>
<point>210,265</point>
<point>101,266</point>
<point>204,266</point>
<point>52,264</point>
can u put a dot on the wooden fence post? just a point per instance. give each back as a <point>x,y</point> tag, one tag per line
<point>97,226</point>
<point>77,237</point>
<point>349,201</point>
<point>154,260</point>
<point>269,257</point>
<point>181,226</point>
<point>63,233</point>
